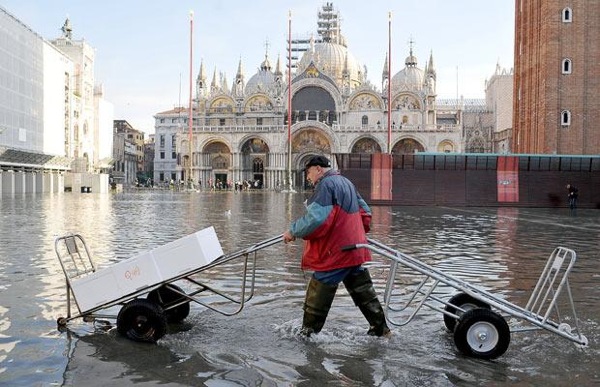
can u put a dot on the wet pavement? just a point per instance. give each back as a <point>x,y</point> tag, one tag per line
<point>501,249</point>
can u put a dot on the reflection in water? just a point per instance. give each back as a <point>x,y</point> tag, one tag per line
<point>502,249</point>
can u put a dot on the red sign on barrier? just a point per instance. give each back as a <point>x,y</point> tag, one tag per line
<point>381,176</point>
<point>508,179</point>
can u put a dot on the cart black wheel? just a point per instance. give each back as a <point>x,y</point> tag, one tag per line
<point>142,320</point>
<point>482,333</point>
<point>463,301</point>
<point>166,295</point>
<point>61,322</point>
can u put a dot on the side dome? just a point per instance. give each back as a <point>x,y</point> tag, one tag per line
<point>262,80</point>
<point>409,78</point>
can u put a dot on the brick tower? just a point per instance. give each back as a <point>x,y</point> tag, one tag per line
<point>557,77</point>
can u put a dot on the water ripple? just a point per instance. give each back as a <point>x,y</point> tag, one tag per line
<point>500,249</point>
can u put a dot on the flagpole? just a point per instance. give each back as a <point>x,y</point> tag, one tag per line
<point>190,114</point>
<point>389,143</point>
<point>289,120</point>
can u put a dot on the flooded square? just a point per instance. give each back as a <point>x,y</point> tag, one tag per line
<point>501,249</point>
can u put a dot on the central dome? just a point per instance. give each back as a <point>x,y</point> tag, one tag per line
<point>332,59</point>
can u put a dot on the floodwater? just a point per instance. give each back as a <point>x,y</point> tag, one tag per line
<point>501,249</point>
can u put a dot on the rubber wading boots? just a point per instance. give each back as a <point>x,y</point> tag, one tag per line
<point>363,294</point>
<point>319,297</point>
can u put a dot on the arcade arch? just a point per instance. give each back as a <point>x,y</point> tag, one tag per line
<point>446,146</point>
<point>366,145</point>
<point>406,102</point>
<point>258,103</point>
<point>219,156</point>
<point>365,101</point>
<point>407,146</point>
<point>221,104</point>
<point>254,156</point>
<point>311,140</point>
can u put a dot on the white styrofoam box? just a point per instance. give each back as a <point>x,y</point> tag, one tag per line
<point>136,273</point>
<point>95,289</point>
<point>187,253</point>
<point>147,269</point>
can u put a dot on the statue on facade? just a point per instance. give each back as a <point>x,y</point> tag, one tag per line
<point>67,30</point>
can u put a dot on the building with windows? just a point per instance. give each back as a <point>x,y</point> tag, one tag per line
<point>148,170</point>
<point>34,106</point>
<point>136,137</point>
<point>499,100</point>
<point>128,153</point>
<point>88,134</point>
<point>53,119</point>
<point>557,77</point>
<point>241,132</point>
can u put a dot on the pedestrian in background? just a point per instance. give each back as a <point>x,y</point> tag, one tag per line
<point>572,196</point>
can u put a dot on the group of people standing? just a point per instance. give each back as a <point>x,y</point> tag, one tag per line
<point>245,185</point>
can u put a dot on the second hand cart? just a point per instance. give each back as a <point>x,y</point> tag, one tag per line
<point>474,315</point>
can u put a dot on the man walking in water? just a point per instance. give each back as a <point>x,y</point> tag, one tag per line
<point>336,216</point>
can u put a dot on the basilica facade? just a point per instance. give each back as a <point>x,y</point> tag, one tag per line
<point>241,132</point>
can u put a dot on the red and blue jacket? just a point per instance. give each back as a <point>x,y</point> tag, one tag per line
<point>336,216</point>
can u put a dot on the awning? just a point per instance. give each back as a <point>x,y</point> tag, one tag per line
<point>15,158</point>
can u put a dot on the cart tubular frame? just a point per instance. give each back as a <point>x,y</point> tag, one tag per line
<point>553,279</point>
<point>73,253</point>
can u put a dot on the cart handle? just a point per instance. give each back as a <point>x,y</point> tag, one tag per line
<point>349,247</point>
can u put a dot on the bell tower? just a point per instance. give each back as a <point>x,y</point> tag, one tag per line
<point>556,80</point>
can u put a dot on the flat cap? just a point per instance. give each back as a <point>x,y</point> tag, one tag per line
<point>321,161</point>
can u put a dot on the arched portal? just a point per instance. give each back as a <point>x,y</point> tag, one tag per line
<point>407,146</point>
<point>307,140</point>
<point>445,146</point>
<point>254,159</point>
<point>220,161</point>
<point>366,145</point>
<point>311,140</point>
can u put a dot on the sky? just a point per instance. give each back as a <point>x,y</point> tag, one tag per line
<point>143,46</point>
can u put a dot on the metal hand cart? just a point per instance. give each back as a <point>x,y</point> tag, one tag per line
<point>145,312</point>
<point>479,331</point>
<point>475,316</point>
